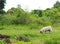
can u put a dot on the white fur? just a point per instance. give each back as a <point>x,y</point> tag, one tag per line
<point>47,28</point>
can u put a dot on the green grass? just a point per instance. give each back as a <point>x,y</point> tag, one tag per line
<point>32,34</point>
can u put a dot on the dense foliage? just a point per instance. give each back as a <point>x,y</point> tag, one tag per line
<point>38,17</point>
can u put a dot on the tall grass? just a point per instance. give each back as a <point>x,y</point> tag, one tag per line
<point>33,34</point>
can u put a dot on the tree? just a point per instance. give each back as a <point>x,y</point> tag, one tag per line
<point>57,4</point>
<point>2,4</point>
<point>39,12</point>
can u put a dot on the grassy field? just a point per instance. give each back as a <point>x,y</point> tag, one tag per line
<point>31,33</point>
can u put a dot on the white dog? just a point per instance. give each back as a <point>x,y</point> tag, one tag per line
<point>45,29</point>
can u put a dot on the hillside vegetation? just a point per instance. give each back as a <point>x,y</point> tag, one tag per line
<point>18,22</point>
